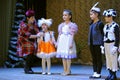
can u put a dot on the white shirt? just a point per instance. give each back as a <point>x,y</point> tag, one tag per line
<point>109,31</point>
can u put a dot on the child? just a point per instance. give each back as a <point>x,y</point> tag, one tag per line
<point>95,40</point>
<point>111,43</point>
<point>46,42</point>
<point>66,48</point>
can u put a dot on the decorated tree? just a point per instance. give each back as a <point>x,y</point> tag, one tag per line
<point>13,59</point>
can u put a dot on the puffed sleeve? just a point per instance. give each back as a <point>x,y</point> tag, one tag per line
<point>73,28</point>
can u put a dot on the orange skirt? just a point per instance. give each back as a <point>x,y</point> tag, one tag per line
<point>45,49</point>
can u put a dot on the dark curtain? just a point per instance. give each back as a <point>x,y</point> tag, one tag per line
<point>39,6</point>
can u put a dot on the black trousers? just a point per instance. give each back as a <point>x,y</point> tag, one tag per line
<point>30,60</point>
<point>96,58</point>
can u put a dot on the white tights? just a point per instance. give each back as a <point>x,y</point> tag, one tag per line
<point>44,60</point>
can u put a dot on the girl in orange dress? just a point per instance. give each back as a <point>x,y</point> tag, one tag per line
<point>46,42</point>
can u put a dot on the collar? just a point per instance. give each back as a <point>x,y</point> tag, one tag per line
<point>111,23</point>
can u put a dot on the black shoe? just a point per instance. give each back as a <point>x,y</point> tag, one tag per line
<point>28,71</point>
<point>113,77</point>
<point>108,77</point>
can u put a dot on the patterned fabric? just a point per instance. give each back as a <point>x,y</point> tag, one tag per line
<point>111,32</point>
<point>25,44</point>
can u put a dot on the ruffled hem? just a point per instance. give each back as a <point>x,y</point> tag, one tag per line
<point>66,56</point>
<point>112,69</point>
<point>45,55</point>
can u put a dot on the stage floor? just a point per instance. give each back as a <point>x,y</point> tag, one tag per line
<point>79,72</point>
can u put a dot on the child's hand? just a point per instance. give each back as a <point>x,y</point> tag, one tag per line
<point>114,50</point>
<point>55,44</point>
<point>102,49</point>
<point>39,34</point>
<point>71,46</point>
<point>51,42</point>
<point>33,36</point>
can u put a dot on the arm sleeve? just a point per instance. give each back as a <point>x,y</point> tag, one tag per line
<point>23,30</point>
<point>73,28</point>
<point>116,32</point>
<point>101,26</point>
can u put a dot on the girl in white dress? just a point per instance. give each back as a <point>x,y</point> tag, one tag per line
<point>66,48</point>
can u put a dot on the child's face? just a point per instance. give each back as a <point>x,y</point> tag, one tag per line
<point>93,15</point>
<point>44,27</point>
<point>66,16</point>
<point>108,19</point>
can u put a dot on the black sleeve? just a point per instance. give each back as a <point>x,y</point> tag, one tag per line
<point>101,26</point>
<point>116,32</point>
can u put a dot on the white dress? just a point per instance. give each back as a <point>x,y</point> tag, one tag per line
<point>63,45</point>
